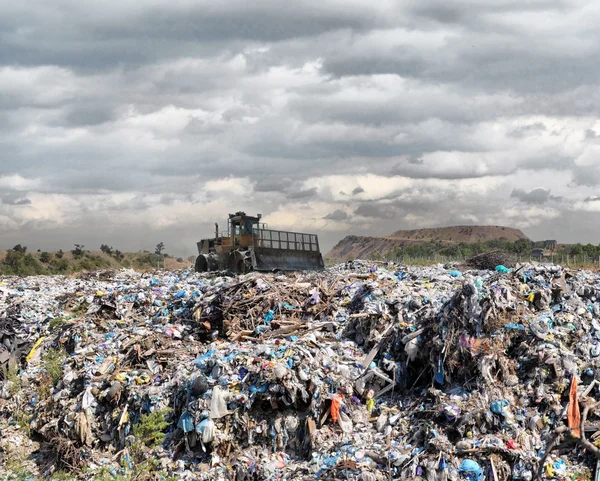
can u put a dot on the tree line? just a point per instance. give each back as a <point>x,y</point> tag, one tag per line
<point>19,262</point>
<point>462,250</point>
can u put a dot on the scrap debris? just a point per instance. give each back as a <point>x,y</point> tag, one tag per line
<point>366,371</point>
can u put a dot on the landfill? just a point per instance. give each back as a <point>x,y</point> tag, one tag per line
<point>366,371</point>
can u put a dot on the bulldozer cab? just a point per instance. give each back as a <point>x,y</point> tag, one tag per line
<point>241,228</point>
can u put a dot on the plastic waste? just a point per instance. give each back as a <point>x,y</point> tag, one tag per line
<point>218,403</point>
<point>471,470</point>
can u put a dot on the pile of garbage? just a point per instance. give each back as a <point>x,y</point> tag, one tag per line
<point>366,371</point>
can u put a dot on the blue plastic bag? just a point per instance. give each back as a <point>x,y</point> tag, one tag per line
<point>471,470</point>
<point>186,422</point>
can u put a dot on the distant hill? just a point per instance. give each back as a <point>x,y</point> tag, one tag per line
<point>364,247</point>
<point>461,233</point>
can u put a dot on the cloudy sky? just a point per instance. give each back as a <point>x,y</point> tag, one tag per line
<point>130,122</point>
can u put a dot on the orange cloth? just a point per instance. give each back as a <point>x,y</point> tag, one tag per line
<point>336,403</point>
<point>573,415</point>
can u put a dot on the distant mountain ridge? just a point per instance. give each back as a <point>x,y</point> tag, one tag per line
<point>363,247</point>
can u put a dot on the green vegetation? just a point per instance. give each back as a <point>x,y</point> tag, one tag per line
<point>53,363</point>
<point>23,420</point>
<point>135,463</point>
<point>12,375</point>
<point>149,430</point>
<point>145,471</point>
<point>464,250</point>
<point>20,248</point>
<point>15,470</point>
<point>61,476</point>
<point>56,322</point>
<point>19,262</point>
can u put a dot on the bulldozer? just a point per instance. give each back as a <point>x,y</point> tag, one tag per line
<point>248,245</point>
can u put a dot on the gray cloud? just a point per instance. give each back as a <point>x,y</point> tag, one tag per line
<point>591,134</point>
<point>378,211</point>
<point>153,120</point>
<point>536,196</point>
<point>336,215</point>
<point>12,200</point>
<point>303,194</point>
<point>271,184</point>
<point>415,159</point>
<point>529,129</point>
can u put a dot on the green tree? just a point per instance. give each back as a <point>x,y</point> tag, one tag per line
<point>522,246</point>
<point>13,260</point>
<point>45,257</point>
<point>78,251</point>
<point>576,250</point>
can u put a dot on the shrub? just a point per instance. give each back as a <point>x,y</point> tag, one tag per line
<point>78,251</point>
<point>18,263</point>
<point>20,248</point>
<point>150,428</point>
<point>53,363</point>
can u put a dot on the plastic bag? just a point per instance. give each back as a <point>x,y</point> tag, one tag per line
<point>186,422</point>
<point>471,470</point>
<point>345,422</point>
<point>207,429</point>
<point>218,403</point>
<point>336,403</point>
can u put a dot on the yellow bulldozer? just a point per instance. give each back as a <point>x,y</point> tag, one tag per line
<point>248,245</point>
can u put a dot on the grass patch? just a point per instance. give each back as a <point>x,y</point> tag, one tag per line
<point>62,476</point>
<point>16,472</point>
<point>23,420</point>
<point>45,385</point>
<point>12,375</point>
<point>57,321</point>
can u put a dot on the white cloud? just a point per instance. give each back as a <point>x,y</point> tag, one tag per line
<point>17,182</point>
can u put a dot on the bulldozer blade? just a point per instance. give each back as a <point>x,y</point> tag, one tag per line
<point>286,260</point>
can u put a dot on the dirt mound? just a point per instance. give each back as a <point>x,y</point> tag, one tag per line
<point>364,247</point>
<point>462,233</point>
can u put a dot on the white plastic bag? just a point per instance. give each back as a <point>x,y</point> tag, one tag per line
<point>345,422</point>
<point>218,403</point>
